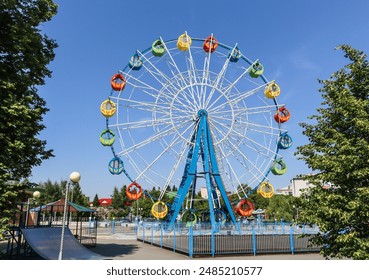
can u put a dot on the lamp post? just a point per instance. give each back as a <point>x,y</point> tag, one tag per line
<point>297,212</point>
<point>90,219</point>
<point>35,195</point>
<point>74,178</point>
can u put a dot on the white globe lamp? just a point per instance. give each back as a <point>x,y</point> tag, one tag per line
<point>36,194</point>
<point>75,177</point>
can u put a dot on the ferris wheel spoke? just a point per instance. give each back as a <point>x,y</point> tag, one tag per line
<point>192,75</point>
<point>234,99</point>
<point>174,64</point>
<point>148,123</point>
<point>245,124</point>
<point>262,132</point>
<point>246,161</point>
<point>145,88</point>
<point>218,79</point>
<point>155,74</point>
<point>144,105</point>
<point>267,129</point>
<point>259,149</point>
<point>137,169</point>
<point>182,128</point>
<point>158,75</point>
<point>231,169</point>
<point>154,106</point>
<point>147,141</point>
<point>168,89</point>
<point>234,148</point>
<point>180,157</point>
<point>169,146</point>
<point>245,140</point>
<point>246,71</point>
<point>162,109</point>
<point>205,77</point>
<point>132,163</point>
<point>217,125</point>
<point>155,160</point>
<point>245,167</point>
<point>242,111</point>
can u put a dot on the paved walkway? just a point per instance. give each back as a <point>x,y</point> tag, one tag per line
<point>117,248</point>
<point>128,248</point>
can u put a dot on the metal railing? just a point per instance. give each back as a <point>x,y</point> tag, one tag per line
<point>228,239</point>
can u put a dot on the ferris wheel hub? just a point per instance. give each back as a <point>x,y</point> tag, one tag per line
<point>202,113</point>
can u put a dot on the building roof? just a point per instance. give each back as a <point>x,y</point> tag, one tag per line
<point>105,201</point>
<point>58,206</point>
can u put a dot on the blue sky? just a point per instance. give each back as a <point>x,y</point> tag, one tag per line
<point>295,40</point>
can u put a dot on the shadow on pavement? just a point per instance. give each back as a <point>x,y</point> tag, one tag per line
<point>114,250</point>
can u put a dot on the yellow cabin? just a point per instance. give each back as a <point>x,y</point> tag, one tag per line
<point>184,42</point>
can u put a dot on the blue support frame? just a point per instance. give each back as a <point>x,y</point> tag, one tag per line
<point>203,145</point>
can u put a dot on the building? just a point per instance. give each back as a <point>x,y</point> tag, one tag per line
<point>298,185</point>
<point>284,191</point>
<point>103,202</point>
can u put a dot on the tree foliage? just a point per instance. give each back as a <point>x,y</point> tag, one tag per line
<point>117,199</point>
<point>51,191</point>
<point>120,202</point>
<point>95,201</point>
<point>24,55</point>
<point>77,196</point>
<point>281,208</point>
<point>338,152</point>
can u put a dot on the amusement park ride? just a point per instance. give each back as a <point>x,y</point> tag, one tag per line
<point>193,111</point>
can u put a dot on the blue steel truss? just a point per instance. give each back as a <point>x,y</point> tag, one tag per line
<point>202,148</point>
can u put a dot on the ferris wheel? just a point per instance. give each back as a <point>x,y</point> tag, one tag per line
<point>198,115</point>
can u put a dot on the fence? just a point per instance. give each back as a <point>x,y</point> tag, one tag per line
<point>228,239</point>
<point>118,228</point>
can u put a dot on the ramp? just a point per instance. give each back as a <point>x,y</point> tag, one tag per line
<point>45,241</point>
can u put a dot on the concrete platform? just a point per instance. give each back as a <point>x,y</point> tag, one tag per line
<point>120,248</point>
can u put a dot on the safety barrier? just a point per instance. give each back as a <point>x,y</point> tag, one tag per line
<point>229,239</point>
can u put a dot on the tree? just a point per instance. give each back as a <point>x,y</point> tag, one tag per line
<point>120,202</point>
<point>243,189</point>
<point>52,191</point>
<point>259,201</point>
<point>117,199</point>
<point>77,196</point>
<point>95,202</point>
<point>24,55</point>
<point>126,203</point>
<point>338,151</point>
<point>281,207</point>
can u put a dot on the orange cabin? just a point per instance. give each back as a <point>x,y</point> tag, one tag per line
<point>282,115</point>
<point>118,82</point>
<point>244,208</point>
<point>210,44</point>
<point>134,191</point>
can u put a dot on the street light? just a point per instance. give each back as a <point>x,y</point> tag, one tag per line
<point>90,219</point>
<point>35,195</point>
<point>74,178</point>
